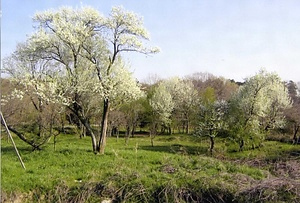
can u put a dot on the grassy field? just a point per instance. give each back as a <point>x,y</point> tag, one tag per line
<point>177,168</point>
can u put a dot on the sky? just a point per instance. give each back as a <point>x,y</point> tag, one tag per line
<point>229,38</point>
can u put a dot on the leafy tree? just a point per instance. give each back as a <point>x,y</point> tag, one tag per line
<point>293,114</point>
<point>211,116</point>
<point>125,34</point>
<point>293,118</point>
<point>257,107</point>
<point>85,48</point>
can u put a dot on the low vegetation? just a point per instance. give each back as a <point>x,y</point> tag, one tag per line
<point>178,168</point>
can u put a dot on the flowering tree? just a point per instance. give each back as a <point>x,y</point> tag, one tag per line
<point>258,106</point>
<point>85,48</point>
<point>178,106</point>
<point>125,33</point>
<point>59,39</point>
<point>33,84</point>
<point>185,98</point>
<point>162,105</point>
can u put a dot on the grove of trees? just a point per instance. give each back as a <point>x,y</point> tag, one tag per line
<point>70,72</point>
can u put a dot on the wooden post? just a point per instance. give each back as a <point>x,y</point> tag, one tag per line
<point>20,159</point>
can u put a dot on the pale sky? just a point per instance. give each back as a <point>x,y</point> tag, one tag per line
<point>229,38</point>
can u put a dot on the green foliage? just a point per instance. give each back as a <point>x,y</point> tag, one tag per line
<point>211,116</point>
<point>257,107</point>
<point>211,119</point>
<point>208,96</point>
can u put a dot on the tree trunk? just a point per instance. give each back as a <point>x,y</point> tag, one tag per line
<point>127,134</point>
<point>241,145</point>
<point>54,142</point>
<point>62,123</point>
<point>90,132</point>
<point>212,144</point>
<point>117,133</point>
<point>295,140</point>
<point>40,125</point>
<point>187,126</point>
<point>152,139</point>
<point>153,132</point>
<point>22,137</point>
<point>82,131</point>
<point>89,129</point>
<point>39,107</point>
<point>133,129</point>
<point>40,110</point>
<point>102,140</point>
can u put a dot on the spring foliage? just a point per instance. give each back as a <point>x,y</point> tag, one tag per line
<point>78,53</point>
<point>258,106</point>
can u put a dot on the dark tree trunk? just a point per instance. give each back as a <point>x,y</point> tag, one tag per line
<point>90,132</point>
<point>39,107</point>
<point>54,142</point>
<point>22,137</point>
<point>77,110</point>
<point>242,145</point>
<point>212,144</point>
<point>133,129</point>
<point>82,131</point>
<point>295,140</point>
<point>102,140</point>
<point>127,135</point>
<point>187,127</point>
<point>40,125</point>
<point>89,129</point>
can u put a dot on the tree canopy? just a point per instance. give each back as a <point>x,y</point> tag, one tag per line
<point>78,53</point>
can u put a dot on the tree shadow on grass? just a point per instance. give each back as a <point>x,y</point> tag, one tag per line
<point>11,149</point>
<point>294,153</point>
<point>176,149</point>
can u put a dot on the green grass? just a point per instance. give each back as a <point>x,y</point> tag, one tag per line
<point>177,168</point>
<point>271,150</point>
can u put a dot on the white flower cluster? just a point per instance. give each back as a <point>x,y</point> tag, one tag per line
<point>162,103</point>
<point>70,54</point>
<point>118,85</point>
<point>15,94</point>
<point>263,97</point>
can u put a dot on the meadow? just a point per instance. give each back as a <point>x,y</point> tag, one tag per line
<point>177,168</point>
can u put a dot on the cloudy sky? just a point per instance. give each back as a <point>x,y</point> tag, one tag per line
<point>230,38</point>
